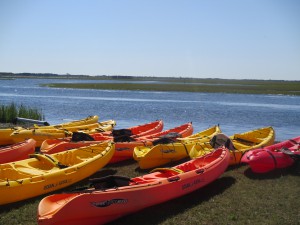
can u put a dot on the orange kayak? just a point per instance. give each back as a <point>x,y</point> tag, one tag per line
<point>112,197</point>
<point>18,151</point>
<point>123,149</point>
<point>182,131</point>
<point>135,131</point>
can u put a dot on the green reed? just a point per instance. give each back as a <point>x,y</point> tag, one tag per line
<point>8,113</point>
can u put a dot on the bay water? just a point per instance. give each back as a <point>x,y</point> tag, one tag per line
<point>235,113</point>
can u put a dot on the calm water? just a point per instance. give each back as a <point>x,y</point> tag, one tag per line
<point>234,112</point>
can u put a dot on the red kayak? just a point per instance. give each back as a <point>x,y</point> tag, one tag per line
<point>112,197</point>
<point>18,151</point>
<point>135,131</point>
<point>124,145</point>
<point>277,156</point>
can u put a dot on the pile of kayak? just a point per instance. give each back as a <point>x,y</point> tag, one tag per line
<point>41,133</point>
<point>41,159</point>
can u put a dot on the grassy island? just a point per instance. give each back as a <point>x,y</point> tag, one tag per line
<point>152,83</point>
<point>197,85</point>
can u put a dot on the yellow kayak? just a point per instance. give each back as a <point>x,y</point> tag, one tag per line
<point>85,121</point>
<point>202,136</point>
<point>165,153</point>
<point>149,157</point>
<point>103,126</point>
<point>40,135</point>
<point>6,139</point>
<point>5,133</point>
<point>46,173</point>
<point>242,143</point>
<point>98,127</point>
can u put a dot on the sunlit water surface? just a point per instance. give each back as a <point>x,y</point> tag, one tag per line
<point>234,113</point>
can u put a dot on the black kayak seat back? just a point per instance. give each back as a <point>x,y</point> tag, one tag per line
<point>221,140</point>
<point>111,181</point>
<point>79,136</point>
<point>121,132</point>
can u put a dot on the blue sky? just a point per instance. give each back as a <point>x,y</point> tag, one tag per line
<point>250,39</point>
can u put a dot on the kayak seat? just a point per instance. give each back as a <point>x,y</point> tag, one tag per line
<point>246,139</point>
<point>171,170</point>
<point>12,174</point>
<point>142,180</point>
<point>79,136</point>
<point>28,172</point>
<point>69,158</point>
<point>121,132</point>
<point>123,138</point>
<point>168,138</point>
<point>239,145</point>
<point>187,167</point>
<point>111,181</point>
<point>46,162</point>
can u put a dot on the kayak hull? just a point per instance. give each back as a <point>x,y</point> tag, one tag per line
<point>17,151</point>
<point>269,158</point>
<point>123,150</point>
<point>100,206</point>
<point>149,157</point>
<point>40,135</point>
<point>42,174</point>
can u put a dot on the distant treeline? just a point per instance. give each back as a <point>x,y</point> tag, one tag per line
<point>9,75</point>
<point>64,76</point>
<point>40,75</point>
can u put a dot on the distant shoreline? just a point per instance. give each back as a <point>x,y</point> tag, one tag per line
<point>267,87</point>
<point>178,84</point>
<point>9,75</point>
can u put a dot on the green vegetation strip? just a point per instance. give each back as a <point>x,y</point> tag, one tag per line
<point>8,113</point>
<point>208,85</point>
<point>237,197</point>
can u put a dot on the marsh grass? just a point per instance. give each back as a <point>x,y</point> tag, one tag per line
<point>237,197</point>
<point>8,113</point>
<point>198,85</point>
